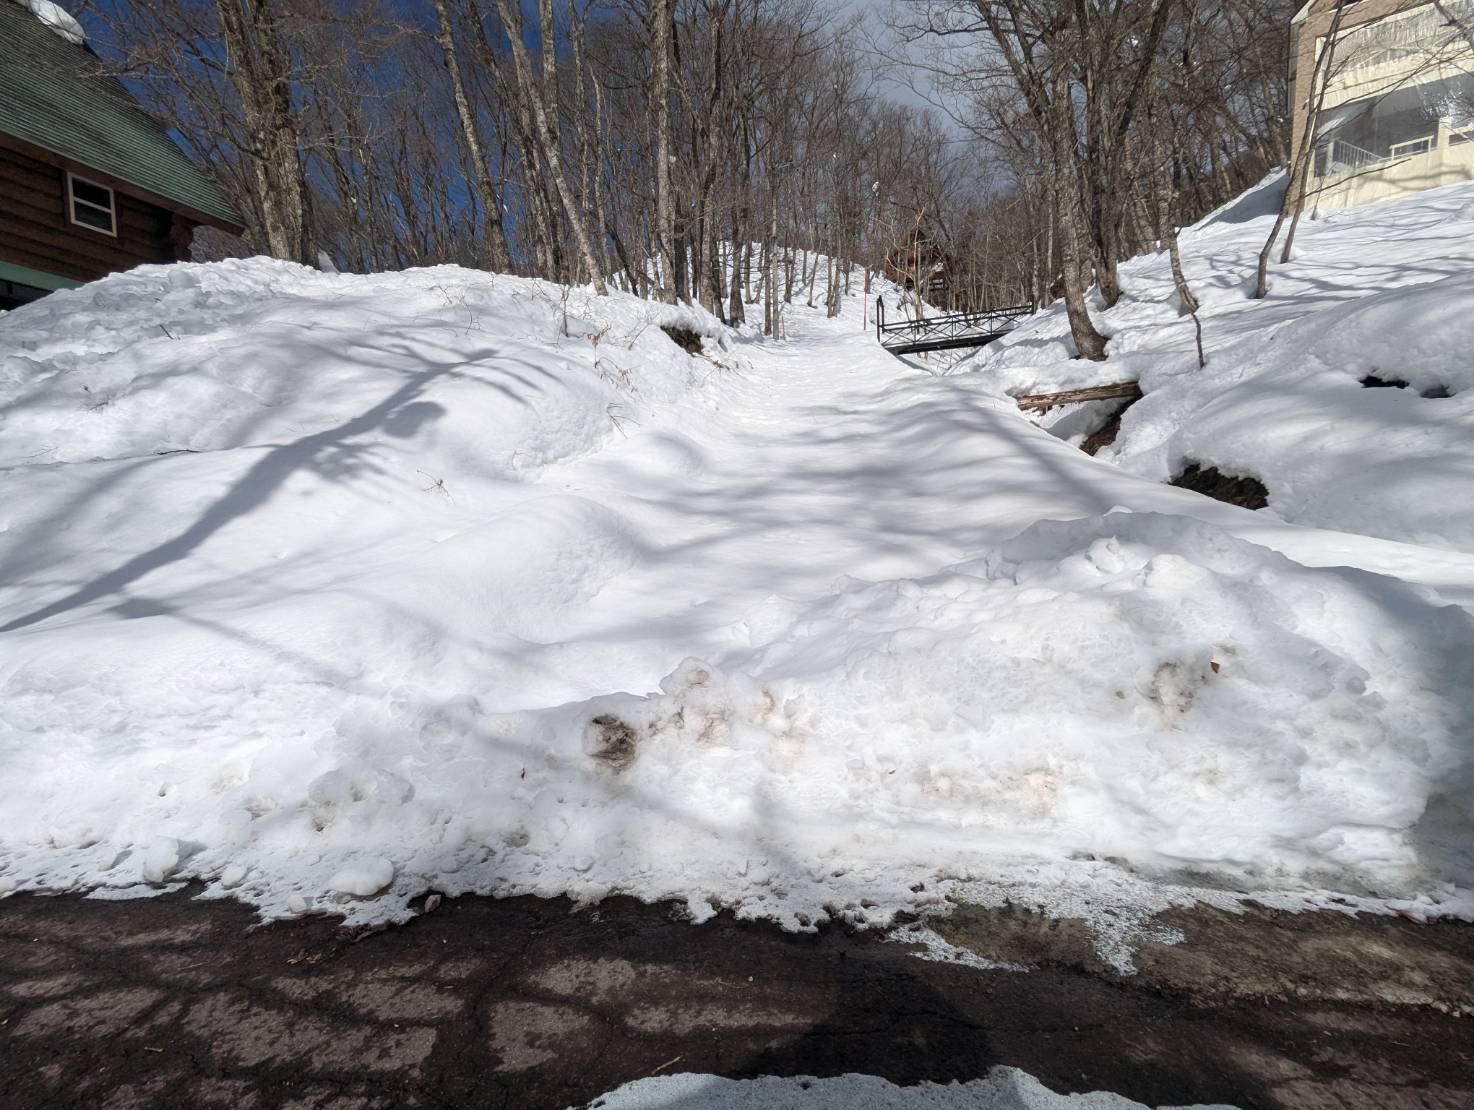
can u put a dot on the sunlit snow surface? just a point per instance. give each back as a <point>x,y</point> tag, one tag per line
<point>1002,1089</point>
<point>328,590</point>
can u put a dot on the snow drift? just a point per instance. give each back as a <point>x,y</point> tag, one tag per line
<point>328,590</point>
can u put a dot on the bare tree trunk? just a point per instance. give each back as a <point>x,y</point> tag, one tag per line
<point>1295,188</point>
<point>1089,343</point>
<point>683,265</point>
<point>258,70</point>
<point>1160,176</point>
<point>545,118</point>
<point>736,312</point>
<point>494,239</point>
<point>665,226</point>
<point>601,218</point>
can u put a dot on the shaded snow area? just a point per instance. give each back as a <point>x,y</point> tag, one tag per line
<point>1381,291</point>
<point>330,590</point>
<point>1002,1089</point>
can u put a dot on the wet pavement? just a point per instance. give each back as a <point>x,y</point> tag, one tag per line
<point>169,1002</point>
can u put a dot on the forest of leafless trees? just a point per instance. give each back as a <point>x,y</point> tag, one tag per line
<point>733,152</point>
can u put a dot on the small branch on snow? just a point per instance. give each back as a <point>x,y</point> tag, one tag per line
<point>436,485</point>
<point>615,418</point>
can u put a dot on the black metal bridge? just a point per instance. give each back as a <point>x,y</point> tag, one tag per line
<point>944,333</point>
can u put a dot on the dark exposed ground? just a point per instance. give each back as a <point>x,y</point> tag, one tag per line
<point>1235,489</point>
<point>169,1002</point>
<point>1106,434</point>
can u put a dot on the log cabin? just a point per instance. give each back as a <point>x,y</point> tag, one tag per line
<point>90,183</point>
<point>919,259</point>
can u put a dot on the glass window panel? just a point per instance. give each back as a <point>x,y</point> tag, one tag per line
<point>92,194</point>
<point>99,218</point>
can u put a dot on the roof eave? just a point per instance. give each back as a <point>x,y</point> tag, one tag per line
<point>231,223</point>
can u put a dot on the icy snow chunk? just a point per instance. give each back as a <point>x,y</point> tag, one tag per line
<point>161,859</point>
<point>232,876</point>
<point>363,879</point>
<point>1105,555</point>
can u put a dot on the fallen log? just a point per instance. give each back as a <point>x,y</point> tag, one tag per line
<point>1041,401</point>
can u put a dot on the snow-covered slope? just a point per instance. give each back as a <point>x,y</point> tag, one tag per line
<point>1383,290</point>
<point>328,590</point>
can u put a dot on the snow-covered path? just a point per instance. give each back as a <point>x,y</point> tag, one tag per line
<point>827,457</point>
<point>331,590</point>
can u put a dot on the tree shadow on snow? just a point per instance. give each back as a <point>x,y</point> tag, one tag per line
<point>332,454</point>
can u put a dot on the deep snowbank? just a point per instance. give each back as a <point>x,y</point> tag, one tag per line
<point>1382,290</point>
<point>328,590</point>
<point>247,497</point>
<point>244,353</point>
<point>1136,687</point>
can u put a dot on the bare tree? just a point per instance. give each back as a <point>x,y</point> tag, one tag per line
<point>497,256</point>
<point>540,98</point>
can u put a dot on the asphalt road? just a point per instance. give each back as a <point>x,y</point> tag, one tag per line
<point>167,1002</point>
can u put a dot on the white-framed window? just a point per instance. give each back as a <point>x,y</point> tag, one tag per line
<point>91,205</point>
<point>1413,146</point>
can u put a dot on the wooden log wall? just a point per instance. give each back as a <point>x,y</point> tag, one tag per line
<point>35,231</point>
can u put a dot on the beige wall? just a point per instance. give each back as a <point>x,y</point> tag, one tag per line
<point>1308,36</point>
<point>1355,77</point>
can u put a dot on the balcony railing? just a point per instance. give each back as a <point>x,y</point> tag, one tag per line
<point>1344,157</point>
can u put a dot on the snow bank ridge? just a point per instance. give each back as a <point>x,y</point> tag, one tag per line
<point>1134,687</point>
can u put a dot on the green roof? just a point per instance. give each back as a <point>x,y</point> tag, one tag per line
<point>54,95</point>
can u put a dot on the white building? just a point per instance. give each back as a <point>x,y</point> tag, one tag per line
<point>1393,100</point>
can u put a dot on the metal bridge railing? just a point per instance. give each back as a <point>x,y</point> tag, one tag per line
<point>956,329</point>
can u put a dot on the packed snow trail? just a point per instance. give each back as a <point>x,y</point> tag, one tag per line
<point>328,590</point>
<point>825,445</point>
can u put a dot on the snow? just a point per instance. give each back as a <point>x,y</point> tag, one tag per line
<point>57,18</point>
<point>1380,290</point>
<point>363,880</point>
<point>357,587</point>
<point>235,874</point>
<point>1002,1089</point>
<point>160,860</point>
